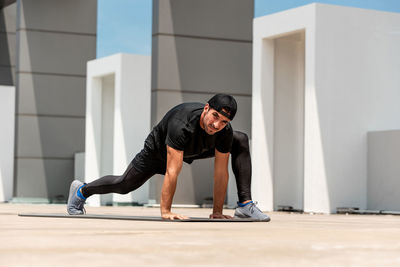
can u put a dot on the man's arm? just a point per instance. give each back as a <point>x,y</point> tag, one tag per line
<point>221,178</point>
<point>174,166</point>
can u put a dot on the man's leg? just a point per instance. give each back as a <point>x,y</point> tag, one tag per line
<point>129,181</point>
<point>241,166</point>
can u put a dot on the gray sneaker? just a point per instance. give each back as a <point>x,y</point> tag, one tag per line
<point>251,211</point>
<point>75,203</point>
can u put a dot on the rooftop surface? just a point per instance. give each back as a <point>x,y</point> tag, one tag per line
<point>288,240</point>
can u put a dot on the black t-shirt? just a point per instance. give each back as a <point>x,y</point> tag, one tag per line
<point>180,129</point>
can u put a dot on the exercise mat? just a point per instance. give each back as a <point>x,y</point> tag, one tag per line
<point>132,218</point>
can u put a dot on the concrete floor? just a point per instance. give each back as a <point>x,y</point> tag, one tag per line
<point>288,240</point>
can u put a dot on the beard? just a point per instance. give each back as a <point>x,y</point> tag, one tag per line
<point>209,129</point>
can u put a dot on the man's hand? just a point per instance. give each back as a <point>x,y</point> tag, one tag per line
<point>172,216</point>
<point>220,216</point>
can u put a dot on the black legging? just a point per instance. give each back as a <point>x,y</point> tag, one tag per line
<point>241,165</point>
<point>132,179</point>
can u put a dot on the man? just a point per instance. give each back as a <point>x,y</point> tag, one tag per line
<point>187,132</point>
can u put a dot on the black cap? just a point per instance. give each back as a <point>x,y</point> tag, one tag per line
<point>224,104</point>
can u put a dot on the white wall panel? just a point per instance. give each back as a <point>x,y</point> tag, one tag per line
<point>351,87</point>
<point>7,122</point>
<point>117,119</point>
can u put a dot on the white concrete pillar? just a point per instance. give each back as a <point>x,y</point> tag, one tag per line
<point>7,122</point>
<point>267,78</point>
<point>351,86</point>
<point>117,119</point>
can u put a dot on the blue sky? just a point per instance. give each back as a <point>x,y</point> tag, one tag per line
<point>124,26</point>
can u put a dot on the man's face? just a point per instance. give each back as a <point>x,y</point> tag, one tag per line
<point>213,121</point>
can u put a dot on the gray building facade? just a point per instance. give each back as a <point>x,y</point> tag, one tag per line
<point>200,48</point>
<point>45,47</point>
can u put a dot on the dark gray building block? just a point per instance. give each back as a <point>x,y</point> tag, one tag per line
<point>202,65</point>
<point>55,39</point>
<point>8,18</point>
<point>7,43</point>
<point>65,16</point>
<point>7,49</point>
<point>55,53</point>
<point>7,75</point>
<point>51,95</point>
<point>200,48</point>
<point>44,178</point>
<point>50,137</point>
<point>206,18</point>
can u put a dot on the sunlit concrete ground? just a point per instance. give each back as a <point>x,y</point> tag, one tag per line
<point>288,240</point>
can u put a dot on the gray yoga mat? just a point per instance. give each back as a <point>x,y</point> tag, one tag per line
<point>131,218</point>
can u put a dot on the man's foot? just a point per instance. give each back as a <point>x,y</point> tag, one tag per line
<point>75,202</point>
<point>250,210</point>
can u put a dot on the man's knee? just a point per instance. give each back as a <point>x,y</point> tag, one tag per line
<point>124,190</point>
<point>240,137</point>
<point>240,140</point>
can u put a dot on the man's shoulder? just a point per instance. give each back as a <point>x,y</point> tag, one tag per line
<point>189,106</point>
<point>185,112</point>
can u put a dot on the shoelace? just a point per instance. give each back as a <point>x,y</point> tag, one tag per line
<point>253,206</point>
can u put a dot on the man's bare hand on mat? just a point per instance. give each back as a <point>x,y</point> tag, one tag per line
<point>172,216</point>
<point>220,216</point>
